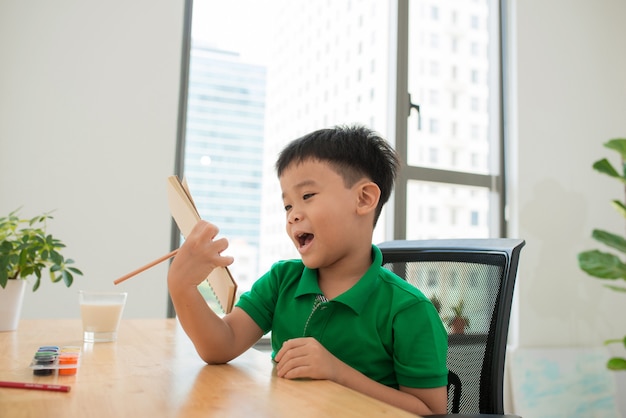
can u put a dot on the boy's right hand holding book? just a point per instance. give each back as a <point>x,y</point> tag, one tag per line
<point>198,256</point>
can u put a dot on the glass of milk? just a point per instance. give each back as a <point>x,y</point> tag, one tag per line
<point>101,313</point>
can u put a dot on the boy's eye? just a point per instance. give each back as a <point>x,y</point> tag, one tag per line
<point>287,208</point>
<point>308,196</point>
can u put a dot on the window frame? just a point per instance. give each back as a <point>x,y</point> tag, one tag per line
<point>401,107</point>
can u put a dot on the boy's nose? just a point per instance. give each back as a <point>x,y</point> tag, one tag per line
<point>294,217</point>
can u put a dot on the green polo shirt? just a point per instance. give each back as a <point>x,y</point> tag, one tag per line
<point>383,326</point>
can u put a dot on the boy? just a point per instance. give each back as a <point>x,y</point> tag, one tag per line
<point>335,314</point>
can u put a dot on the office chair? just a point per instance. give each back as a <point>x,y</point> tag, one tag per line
<point>475,278</point>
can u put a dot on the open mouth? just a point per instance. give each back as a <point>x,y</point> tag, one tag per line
<point>304,239</point>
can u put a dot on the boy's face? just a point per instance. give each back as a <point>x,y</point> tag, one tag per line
<point>321,215</point>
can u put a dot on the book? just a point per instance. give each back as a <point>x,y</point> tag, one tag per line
<point>186,216</point>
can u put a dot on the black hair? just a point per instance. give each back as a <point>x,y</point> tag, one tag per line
<point>353,151</point>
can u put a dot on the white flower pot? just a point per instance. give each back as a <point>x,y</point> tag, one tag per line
<point>11,298</point>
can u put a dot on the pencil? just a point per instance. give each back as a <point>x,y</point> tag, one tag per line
<point>35,386</point>
<point>146,267</point>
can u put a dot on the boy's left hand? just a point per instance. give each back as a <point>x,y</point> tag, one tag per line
<point>306,358</point>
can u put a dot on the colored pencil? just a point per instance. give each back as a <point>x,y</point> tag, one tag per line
<point>35,386</point>
<point>146,267</point>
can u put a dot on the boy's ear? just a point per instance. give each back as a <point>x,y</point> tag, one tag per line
<point>368,197</point>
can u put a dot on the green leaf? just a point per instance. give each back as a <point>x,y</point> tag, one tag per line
<point>619,207</point>
<point>615,288</point>
<point>75,270</point>
<point>56,257</point>
<point>605,167</point>
<point>67,278</point>
<point>610,239</point>
<point>602,265</point>
<point>619,145</point>
<point>37,283</point>
<point>4,266</point>
<point>620,341</point>
<point>616,363</point>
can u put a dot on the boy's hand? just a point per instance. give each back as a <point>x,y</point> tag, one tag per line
<point>199,255</point>
<point>306,358</point>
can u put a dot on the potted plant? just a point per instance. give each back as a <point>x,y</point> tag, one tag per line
<point>458,321</point>
<point>604,265</point>
<point>26,250</point>
<point>436,303</point>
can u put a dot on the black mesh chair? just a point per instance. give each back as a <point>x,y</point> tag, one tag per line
<point>471,279</point>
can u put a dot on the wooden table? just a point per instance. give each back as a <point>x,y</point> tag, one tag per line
<point>152,370</point>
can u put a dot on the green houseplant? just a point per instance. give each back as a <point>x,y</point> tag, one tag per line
<point>458,321</point>
<point>26,250</point>
<point>436,303</point>
<point>604,265</point>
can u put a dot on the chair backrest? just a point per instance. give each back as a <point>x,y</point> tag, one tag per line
<point>475,278</point>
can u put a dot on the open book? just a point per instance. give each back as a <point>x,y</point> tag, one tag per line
<point>186,216</point>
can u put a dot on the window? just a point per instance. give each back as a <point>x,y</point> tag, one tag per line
<point>474,22</point>
<point>473,169</point>
<point>433,126</point>
<point>454,279</point>
<point>433,155</point>
<point>434,97</point>
<point>434,40</point>
<point>283,68</point>
<point>474,48</point>
<point>474,132</point>
<point>474,218</point>
<point>474,104</point>
<point>434,13</point>
<point>434,69</point>
<point>432,278</point>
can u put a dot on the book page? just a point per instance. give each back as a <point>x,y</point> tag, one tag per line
<point>186,216</point>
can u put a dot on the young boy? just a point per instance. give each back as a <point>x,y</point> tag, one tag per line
<point>335,314</point>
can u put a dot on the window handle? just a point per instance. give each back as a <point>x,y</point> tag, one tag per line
<point>419,114</point>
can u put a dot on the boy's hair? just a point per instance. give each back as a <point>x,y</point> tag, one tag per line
<point>353,151</point>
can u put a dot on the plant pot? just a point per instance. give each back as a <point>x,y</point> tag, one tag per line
<point>458,325</point>
<point>11,298</point>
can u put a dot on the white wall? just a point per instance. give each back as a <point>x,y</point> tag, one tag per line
<point>88,113</point>
<point>570,69</point>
